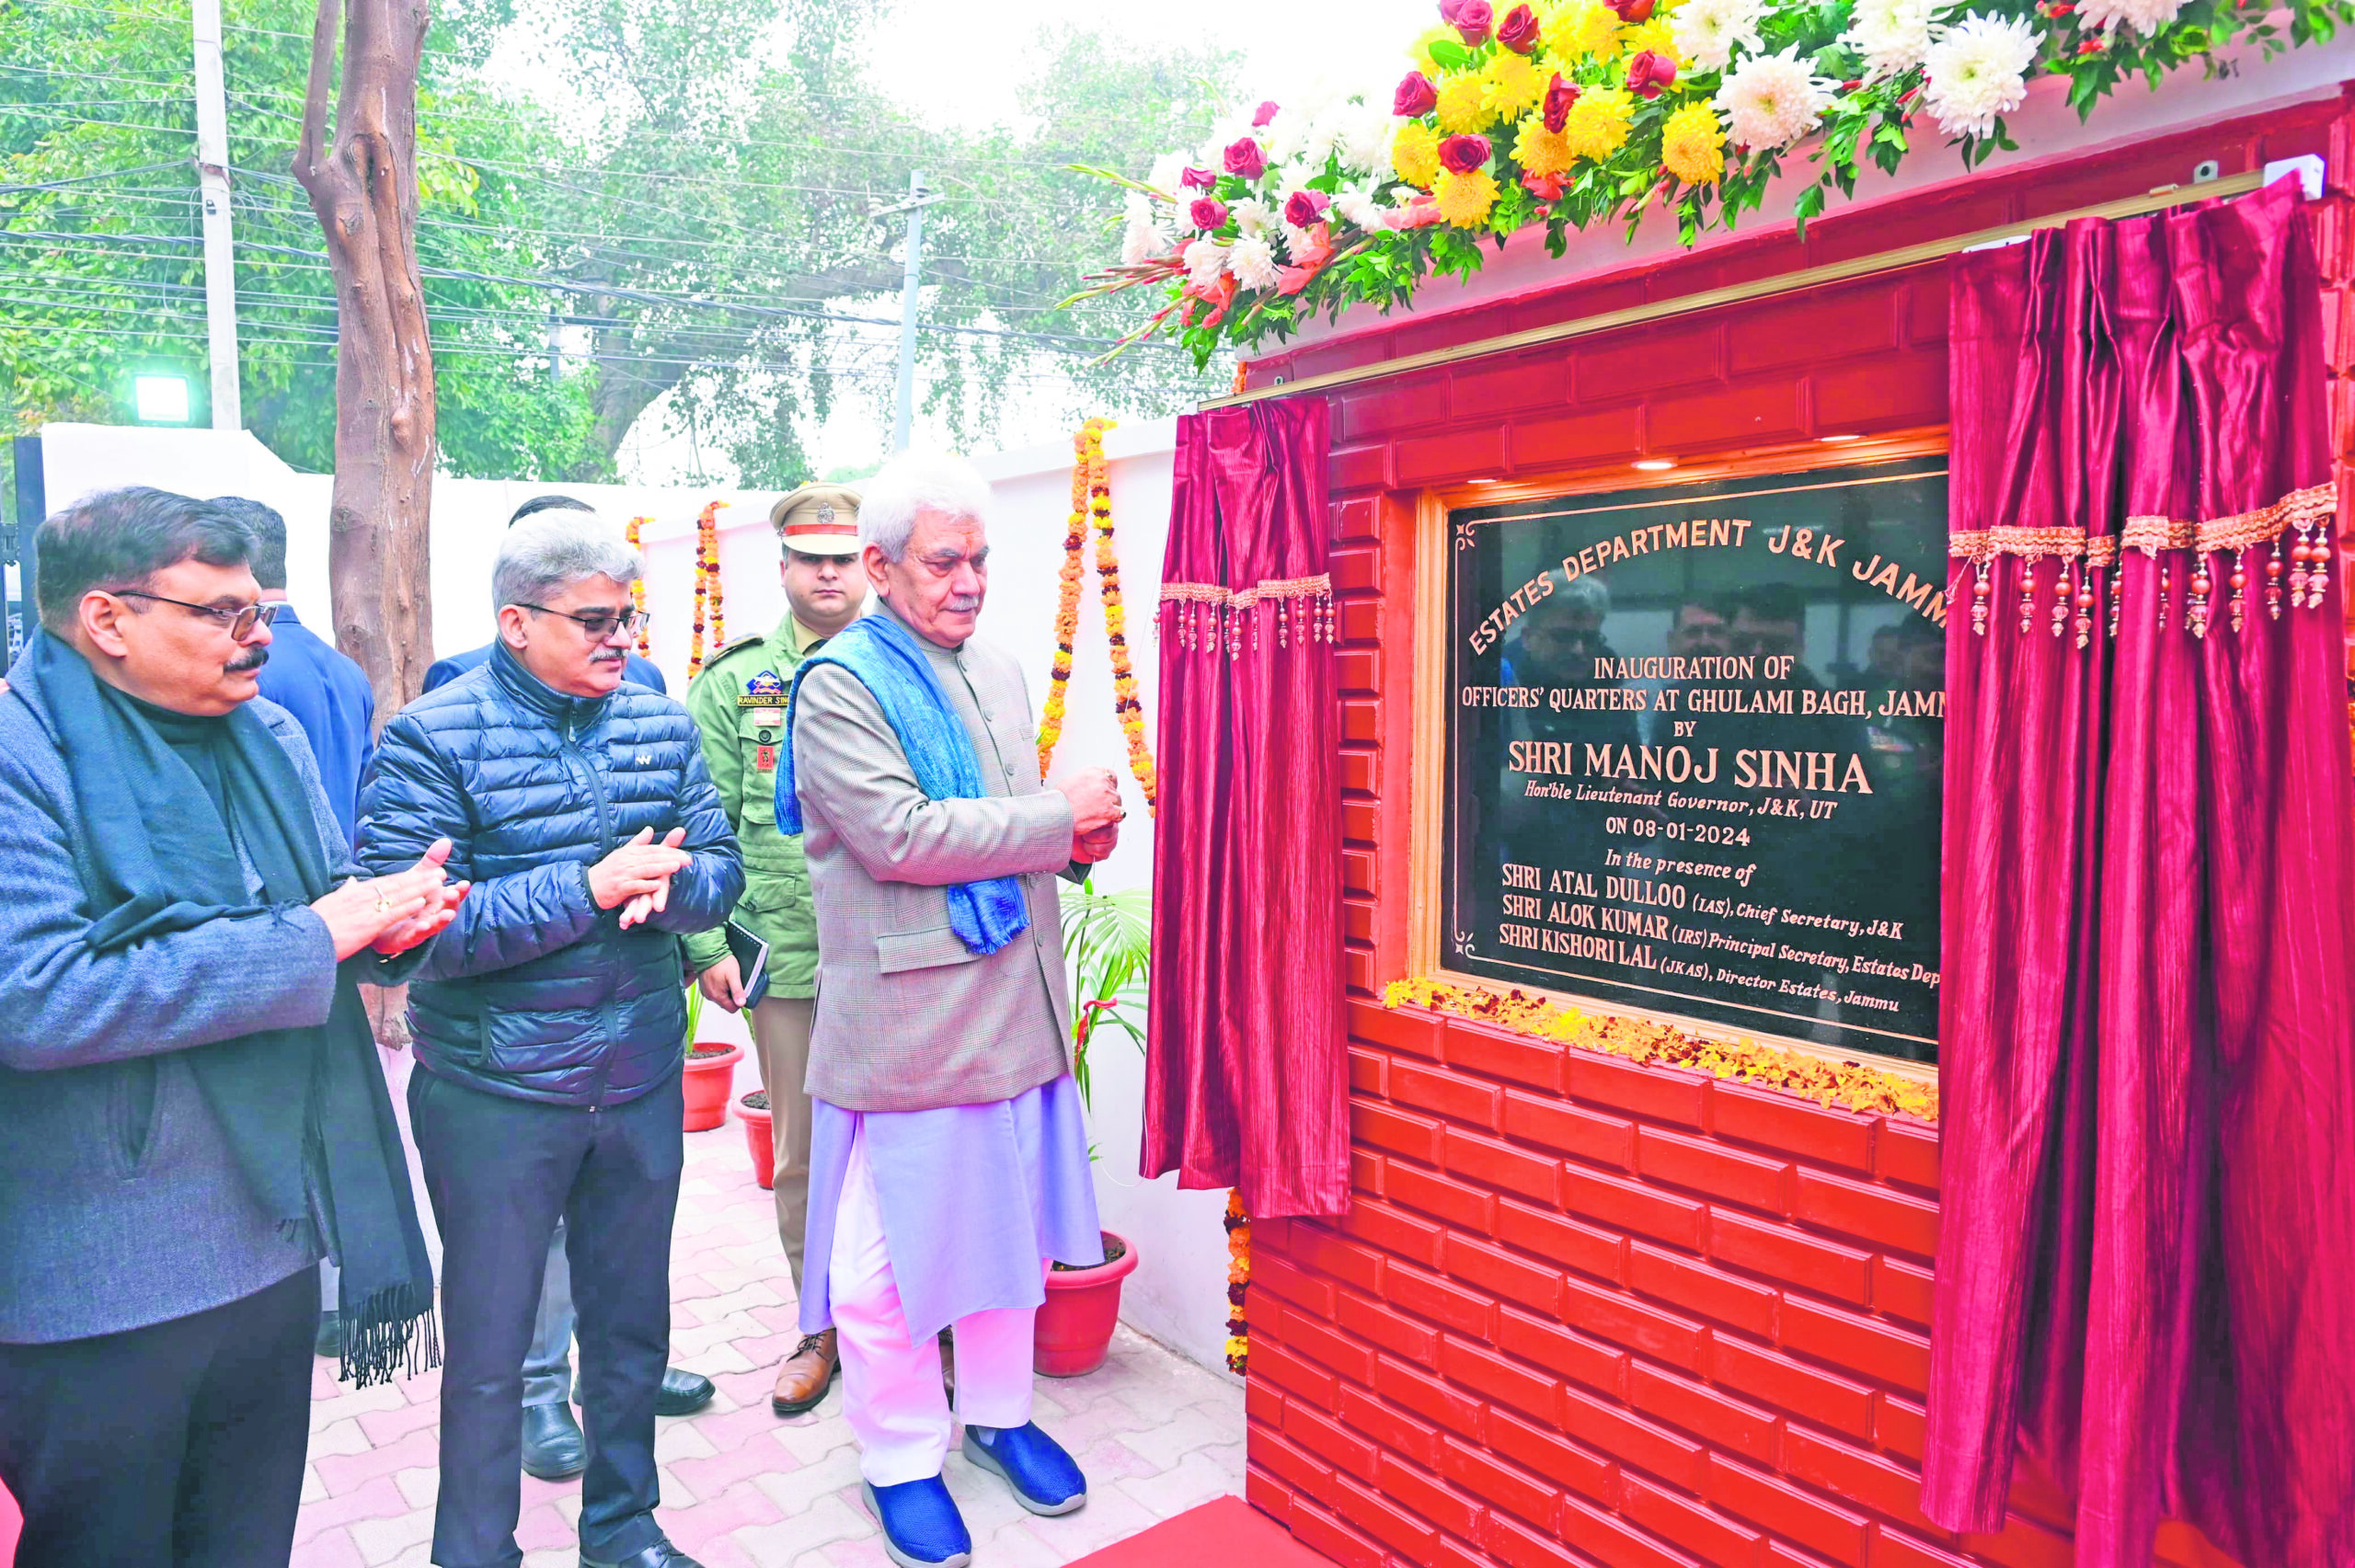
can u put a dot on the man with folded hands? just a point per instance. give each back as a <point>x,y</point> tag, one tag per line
<point>550,1022</point>
<point>948,1157</point>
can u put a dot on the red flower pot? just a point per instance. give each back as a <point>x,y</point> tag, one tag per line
<point>760,1136</point>
<point>1075,1330</point>
<point>711,1078</point>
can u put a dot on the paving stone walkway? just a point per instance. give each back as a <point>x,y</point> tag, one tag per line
<point>1155,1433</point>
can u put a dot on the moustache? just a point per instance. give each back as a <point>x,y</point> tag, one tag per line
<point>962,603</point>
<point>252,659</point>
<point>608,655</point>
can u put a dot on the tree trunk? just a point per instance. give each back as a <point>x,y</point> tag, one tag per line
<point>362,185</point>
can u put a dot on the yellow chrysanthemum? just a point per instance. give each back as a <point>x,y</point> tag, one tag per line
<point>1414,152</point>
<point>1514,84</point>
<point>1420,51</point>
<point>1598,123</point>
<point>1540,151</point>
<point>1464,105</point>
<point>1464,199</point>
<point>1657,35</point>
<point>1692,145</point>
<point>1583,27</point>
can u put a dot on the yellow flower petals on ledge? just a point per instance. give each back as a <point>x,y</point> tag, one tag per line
<point>1415,154</point>
<point>1848,1085</point>
<point>1693,145</point>
<point>1464,199</point>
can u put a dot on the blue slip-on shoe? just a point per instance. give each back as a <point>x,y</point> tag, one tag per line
<point>1044,1478</point>
<point>922,1528</point>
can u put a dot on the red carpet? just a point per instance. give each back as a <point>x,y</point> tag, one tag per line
<point>1228,1530</point>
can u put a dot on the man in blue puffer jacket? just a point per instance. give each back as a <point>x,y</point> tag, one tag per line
<point>550,1021</point>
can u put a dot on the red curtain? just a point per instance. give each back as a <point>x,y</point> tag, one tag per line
<point>1246,1082</point>
<point>2146,1260</point>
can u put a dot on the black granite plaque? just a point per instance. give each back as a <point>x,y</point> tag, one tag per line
<point>1693,742</point>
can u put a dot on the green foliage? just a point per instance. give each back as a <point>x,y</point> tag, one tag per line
<point>701,235</point>
<point>1107,942</point>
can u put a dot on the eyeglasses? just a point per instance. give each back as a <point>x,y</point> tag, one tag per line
<point>601,625</point>
<point>240,620</point>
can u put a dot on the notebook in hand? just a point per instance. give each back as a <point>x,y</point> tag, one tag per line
<point>752,956</point>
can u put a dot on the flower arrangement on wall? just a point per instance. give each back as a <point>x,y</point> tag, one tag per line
<point>1091,505</point>
<point>1850,1085</point>
<point>1570,113</point>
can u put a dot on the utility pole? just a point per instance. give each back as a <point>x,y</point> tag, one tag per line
<point>914,207</point>
<point>212,185</point>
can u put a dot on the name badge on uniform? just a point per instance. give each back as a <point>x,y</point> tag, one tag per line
<point>767,690</point>
<point>769,719</point>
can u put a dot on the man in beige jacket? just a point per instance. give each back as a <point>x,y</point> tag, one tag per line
<point>948,1160</point>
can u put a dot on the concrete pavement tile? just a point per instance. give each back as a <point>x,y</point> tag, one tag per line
<point>742,1505</point>
<point>796,1492</point>
<point>378,1499</point>
<point>681,1441</point>
<point>1193,1480</point>
<point>1186,1429</point>
<point>345,1402</point>
<point>330,1548</point>
<point>343,1471</point>
<point>779,1545</point>
<point>314,1489</point>
<point>544,1528</point>
<point>390,1426</point>
<point>420,1486</point>
<point>381,1540</point>
<point>674,1492</point>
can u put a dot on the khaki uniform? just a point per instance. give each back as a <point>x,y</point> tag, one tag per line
<point>738,704</point>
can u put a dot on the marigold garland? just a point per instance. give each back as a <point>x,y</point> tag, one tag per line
<point>706,588</point>
<point>638,584</point>
<point>1238,1284</point>
<point>1846,1084</point>
<point>1091,503</point>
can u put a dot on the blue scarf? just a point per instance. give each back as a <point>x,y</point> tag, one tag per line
<point>884,657</point>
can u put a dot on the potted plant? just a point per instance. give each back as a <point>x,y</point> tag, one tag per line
<point>760,1135</point>
<point>710,1073</point>
<point>1108,942</point>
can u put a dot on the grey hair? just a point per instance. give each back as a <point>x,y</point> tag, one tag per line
<point>1587,592</point>
<point>549,551</point>
<point>917,482</point>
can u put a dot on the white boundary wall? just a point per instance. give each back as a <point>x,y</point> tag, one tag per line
<point>1178,1292</point>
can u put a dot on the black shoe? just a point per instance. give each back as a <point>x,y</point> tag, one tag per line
<point>662,1554</point>
<point>331,1336</point>
<point>554,1449</point>
<point>682,1393</point>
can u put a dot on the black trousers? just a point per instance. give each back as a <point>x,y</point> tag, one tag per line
<point>500,1170</point>
<point>181,1444</point>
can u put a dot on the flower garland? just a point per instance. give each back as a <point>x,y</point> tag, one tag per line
<point>1091,503</point>
<point>637,585</point>
<point>1573,113</point>
<point>1050,721</point>
<point>1848,1084</point>
<point>706,588</point>
<point>1238,1284</point>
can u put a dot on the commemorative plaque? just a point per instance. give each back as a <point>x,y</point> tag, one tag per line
<point>1693,742</point>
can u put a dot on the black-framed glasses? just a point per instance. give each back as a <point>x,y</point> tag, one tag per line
<point>601,624</point>
<point>241,621</point>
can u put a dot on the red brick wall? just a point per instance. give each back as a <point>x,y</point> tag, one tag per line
<point>1584,1312</point>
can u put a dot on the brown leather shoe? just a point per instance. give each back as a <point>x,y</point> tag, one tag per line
<point>802,1381</point>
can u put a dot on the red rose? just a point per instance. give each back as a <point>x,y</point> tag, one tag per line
<point>1632,11</point>
<point>1245,160</point>
<point>1648,74</point>
<point>1559,99</point>
<point>1518,31</point>
<point>1198,179</point>
<point>1462,154</point>
<point>1415,97</point>
<point>1305,207</point>
<point>1472,21</point>
<point>1209,214</point>
<point>1267,113</point>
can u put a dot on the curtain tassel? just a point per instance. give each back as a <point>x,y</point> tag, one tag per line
<point>2116,596</point>
<point>2082,600</point>
<point>2064,594</point>
<point>2195,610</point>
<point>2027,593</point>
<point>1981,592</point>
<point>2238,582</point>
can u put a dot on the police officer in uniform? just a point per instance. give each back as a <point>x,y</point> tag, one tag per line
<point>739,705</point>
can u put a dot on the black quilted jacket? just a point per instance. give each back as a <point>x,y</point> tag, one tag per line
<point>533,992</point>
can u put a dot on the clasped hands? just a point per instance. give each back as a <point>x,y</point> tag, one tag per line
<point>1095,813</point>
<point>394,913</point>
<point>637,875</point>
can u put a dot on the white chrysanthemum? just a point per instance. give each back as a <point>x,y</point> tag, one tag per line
<point>1167,170</point>
<point>1285,135</point>
<point>1253,217</point>
<point>1891,34</point>
<point>1771,100</point>
<point>1297,242</point>
<point>1253,262</point>
<point>1205,259</point>
<point>2145,17</point>
<point>1364,140</point>
<point>1359,210</point>
<point>1977,71</point>
<point>1144,237</point>
<point>1707,32</point>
